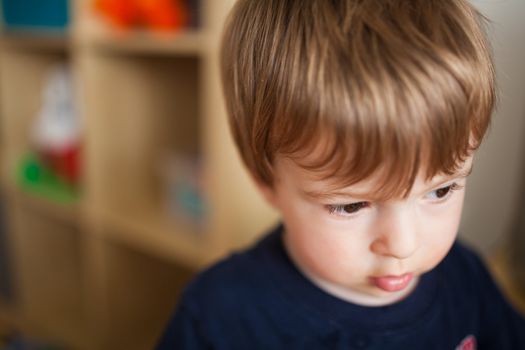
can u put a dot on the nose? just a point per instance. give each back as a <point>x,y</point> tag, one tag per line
<point>396,233</point>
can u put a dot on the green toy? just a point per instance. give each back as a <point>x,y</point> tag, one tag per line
<point>34,177</point>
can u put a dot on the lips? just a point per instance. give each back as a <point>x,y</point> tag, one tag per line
<point>392,283</point>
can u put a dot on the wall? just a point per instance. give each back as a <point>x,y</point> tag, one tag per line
<point>494,188</point>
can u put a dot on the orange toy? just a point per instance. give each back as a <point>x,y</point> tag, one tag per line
<point>163,15</point>
<point>121,13</point>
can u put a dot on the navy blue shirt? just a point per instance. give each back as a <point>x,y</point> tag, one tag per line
<point>258,299</point>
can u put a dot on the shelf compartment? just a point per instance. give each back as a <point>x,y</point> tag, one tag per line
<point>142,293</point>
<point>147,111</point>
<point>163,237</point>
<point>92,30</point>
<point>48,273</point>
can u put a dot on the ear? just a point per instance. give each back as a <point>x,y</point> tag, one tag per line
<point>268,193</point>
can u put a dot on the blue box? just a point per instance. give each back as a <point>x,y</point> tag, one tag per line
<point>51,15</point>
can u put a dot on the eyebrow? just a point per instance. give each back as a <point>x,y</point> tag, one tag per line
<point>459,175</point>
<point>335,194</point>
<point>331,194</point>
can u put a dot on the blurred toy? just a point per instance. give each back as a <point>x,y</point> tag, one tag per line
<point>35,15</point>
<point>185,200</point>
<point>160,15</point>
<point>51,168</point>
<point>163,14</point>
<point>37,178</point>
<point>56,133</point>
<point>122,13</point>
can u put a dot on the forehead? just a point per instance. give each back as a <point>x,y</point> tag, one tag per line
<point>312,184</point>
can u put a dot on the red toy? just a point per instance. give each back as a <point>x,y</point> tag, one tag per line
<point>65,163</point>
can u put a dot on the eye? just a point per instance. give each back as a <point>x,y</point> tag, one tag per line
<point>443,193</point>
<point>347,209</point>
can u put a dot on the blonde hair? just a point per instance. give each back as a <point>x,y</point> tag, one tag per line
<point>395,85</point>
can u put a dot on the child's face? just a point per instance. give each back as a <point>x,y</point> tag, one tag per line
<point>370,253</point>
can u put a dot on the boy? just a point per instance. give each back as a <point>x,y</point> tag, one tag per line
<point>358,120</point>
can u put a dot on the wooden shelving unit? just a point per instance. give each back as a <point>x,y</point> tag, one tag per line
<point>106,271</point>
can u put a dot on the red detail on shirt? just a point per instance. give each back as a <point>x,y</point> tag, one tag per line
<point>469,343</point>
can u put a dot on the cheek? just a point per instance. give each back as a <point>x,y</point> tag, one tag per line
<point>335,260</point>
<point>324,246</point>
<point>443,221</point>
<point>314,241</point>
<point>442,232</point>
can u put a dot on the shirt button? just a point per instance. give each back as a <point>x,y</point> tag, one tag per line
<point>360,341</point>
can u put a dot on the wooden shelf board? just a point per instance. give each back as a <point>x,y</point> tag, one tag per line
<point>94,33</point>
<point>160,235</point>
<point>31,40</point>
<point>71,213</point>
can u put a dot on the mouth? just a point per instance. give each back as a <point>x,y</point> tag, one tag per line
<point>392,283</point>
